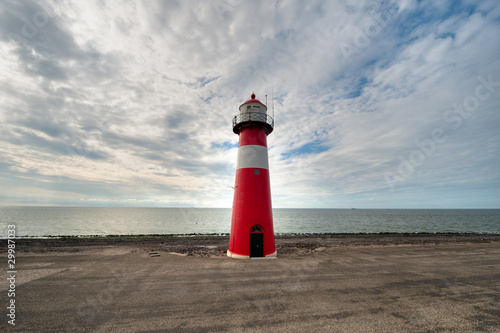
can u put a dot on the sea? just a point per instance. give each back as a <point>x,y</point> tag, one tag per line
<point>105,221</point>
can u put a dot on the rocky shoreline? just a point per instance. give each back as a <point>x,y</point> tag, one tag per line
<point>215,246</point>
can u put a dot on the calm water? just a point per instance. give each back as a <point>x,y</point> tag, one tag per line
<point>57,221</point>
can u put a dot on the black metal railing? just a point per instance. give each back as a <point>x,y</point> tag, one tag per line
<point>246,118</point>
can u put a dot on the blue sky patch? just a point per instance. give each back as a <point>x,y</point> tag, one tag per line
<point>358,88</point>
<point>225,145</point>
<point>314,147</point>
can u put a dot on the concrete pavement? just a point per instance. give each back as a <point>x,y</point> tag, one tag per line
<point>411,288</point>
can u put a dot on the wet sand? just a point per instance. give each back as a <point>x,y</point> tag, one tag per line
<point>350,283</point>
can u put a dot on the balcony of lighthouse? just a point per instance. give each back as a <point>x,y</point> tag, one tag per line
<point>253,119</point>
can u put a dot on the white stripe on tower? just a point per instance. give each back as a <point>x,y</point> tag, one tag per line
<point>252,156</point>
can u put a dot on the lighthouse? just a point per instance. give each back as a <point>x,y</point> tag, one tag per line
<point>252,233</point>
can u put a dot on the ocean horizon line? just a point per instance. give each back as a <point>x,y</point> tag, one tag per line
<point>200,207</point>
<point>278,234</point>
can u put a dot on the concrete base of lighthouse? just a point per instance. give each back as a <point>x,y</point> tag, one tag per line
<point>237,256</point>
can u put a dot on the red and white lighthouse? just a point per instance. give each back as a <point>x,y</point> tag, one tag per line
<point>252,233</point>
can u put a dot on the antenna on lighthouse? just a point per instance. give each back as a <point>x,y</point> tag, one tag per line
<point>272,99</point>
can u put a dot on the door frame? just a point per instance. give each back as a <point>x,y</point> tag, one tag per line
<point>256,230</point>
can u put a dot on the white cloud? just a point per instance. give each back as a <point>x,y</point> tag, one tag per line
<point>132,103</point>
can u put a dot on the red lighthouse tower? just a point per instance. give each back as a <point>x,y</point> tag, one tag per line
<point>252,233</point>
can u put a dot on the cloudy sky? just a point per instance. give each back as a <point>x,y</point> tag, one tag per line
<point>392,105</point>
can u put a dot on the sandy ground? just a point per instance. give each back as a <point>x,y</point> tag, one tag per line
<point>356,283</point>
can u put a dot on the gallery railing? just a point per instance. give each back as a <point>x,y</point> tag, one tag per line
<point>248,118</point>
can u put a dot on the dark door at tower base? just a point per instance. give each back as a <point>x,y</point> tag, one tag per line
<point>257,245</point>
